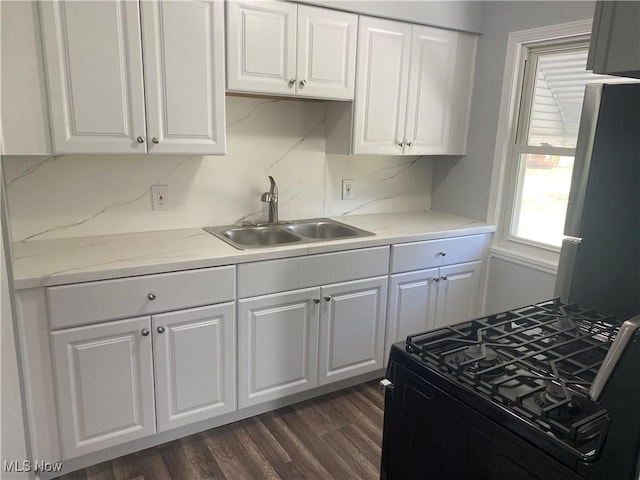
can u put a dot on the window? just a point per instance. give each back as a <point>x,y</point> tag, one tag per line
<point>541,144</point>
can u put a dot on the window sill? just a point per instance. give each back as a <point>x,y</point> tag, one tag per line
<point>524,259</point>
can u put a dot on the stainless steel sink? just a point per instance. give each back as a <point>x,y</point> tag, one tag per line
<point>287,233</point>
<point>323,230</point>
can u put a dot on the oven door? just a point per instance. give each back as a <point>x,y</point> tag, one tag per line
<point>430,435</point>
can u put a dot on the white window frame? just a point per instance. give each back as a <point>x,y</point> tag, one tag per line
<point>504,176</point>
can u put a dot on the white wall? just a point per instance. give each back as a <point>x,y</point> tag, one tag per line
<point>461,185</point>
<point>78,195</point>
<point>512,285</point>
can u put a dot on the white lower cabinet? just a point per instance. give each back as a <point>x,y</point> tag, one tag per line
<point>352,321</point>
<point>296,340</point>
<point>194,358</point>
<point>105,376</point>
<point>431,298</point>
<point>277,345</point>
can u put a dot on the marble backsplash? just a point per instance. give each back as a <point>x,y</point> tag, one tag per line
<point>84,195</point>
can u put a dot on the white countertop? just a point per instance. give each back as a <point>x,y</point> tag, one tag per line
<point>55,262</point>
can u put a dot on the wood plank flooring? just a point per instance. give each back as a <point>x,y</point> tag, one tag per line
<point>336,436</point>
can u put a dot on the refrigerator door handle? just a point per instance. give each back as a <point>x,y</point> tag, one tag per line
<point>566,264</point>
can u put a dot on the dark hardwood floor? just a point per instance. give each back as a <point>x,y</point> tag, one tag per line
<point>336,436</point>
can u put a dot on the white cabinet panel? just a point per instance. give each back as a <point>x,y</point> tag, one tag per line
<point>184,76</point>
<point>383,69</point>
<point>104,377</point>
<point>413,92</point>
<point>430,95</point>
<point>351,328</point>
<point>457,293</point>
<point>287,49</point>
<point>194,353</point>
<point>261,39</point>
<point>277,345</point>
<point>326,53</point>
<point>411,306</point>
<point>93,58</point>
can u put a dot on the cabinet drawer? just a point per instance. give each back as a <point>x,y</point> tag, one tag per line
<point>272,276</point>
<point>92,302</point>
<point>435,253</point>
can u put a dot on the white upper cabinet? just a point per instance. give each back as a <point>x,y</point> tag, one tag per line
<point>430,94</point>
<point>615,39</point>
<point>287,49</point>
<point>94,64</point>
<point>94,71</point>
<point>383,71</point>
<point>413,93</point>
<point>184,76</point>
<point>326,55</point>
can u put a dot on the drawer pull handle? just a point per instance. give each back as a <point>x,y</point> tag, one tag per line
<point>442,253</point>
<point>160,329</point>
<point>145,332</point>
<point>316,300</point>
<point>436,279</point>
<point>327,298</point>
<point>151,296</point>
<point>444,277</point>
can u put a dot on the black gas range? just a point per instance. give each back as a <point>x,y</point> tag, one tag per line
<point>547,391</point>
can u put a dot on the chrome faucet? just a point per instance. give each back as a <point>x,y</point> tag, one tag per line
<point>271,197</point>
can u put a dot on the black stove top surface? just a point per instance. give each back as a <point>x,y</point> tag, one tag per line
<point>538,362</point>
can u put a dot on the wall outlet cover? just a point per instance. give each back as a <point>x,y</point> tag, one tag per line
<point>347,189</point>
<point>160,197</point>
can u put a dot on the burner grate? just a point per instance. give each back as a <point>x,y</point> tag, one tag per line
<point>538,361</point>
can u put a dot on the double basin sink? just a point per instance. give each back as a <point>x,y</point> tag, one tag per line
<point>287,233</point>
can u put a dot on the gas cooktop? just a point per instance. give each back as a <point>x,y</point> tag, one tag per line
<point>538,362</point>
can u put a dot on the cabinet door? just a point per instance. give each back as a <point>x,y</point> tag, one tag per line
<point>104,377</point>
<point>261,51</point>
<point>412,305</point>
<point>184,76</point>
<point>326,53</point>
<point>352,322</point>
<point>194,355</point>
<point>458,291</point>
<point>93,60</point>
<point>431,81</point>
<point>381,93</point>
<point>277,345</point>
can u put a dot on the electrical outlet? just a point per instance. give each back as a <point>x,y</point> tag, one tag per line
<point>347,189</point>
<point>160,197</point>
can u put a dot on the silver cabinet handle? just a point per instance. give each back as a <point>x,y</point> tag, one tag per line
<point>160,329</point>
<point>409,144</point>
<point>316,300</point>
<point>327,298</point>
<point>436,279</point>
<point>292,82</point>
<point>155,140</point>
<point>145,332</point>
<point>151,296</point>
<point>302,83</point>
<point>140,139</point>
<point>442,253</point>
<point>401,144</point>
<point>444,277</point>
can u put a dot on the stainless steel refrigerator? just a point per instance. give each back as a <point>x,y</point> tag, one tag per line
<point>600,257</point>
